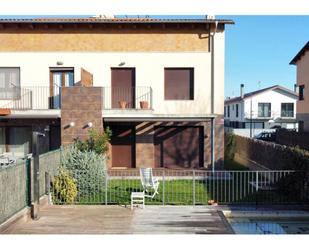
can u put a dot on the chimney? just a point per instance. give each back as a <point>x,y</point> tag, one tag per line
<point>242,90</point>
<point>295,88</point>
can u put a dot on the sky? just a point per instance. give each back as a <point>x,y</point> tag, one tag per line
<point>258,50</point>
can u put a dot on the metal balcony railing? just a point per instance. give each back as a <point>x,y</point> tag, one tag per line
<point>30,98</point>
<point>39,98</point>
<point>287,114</point>
<point>127,97</point>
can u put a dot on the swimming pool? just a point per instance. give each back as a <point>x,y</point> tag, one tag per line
<point>269,223</point>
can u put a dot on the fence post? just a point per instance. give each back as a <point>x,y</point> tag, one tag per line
<point>193,188</point>
<point>106,179</point>
<point>257,181</point>
<point>163,188</point>
<point>28,181</point>
<point>47,183</point>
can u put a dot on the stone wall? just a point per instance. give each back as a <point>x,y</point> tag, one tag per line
<point>80,105</point>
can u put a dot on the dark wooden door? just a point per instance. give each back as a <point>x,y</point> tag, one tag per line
<point>123,145</point>
<point>123,87</point>
<point>179,147</point>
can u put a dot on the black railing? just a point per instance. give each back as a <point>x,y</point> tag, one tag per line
<point>127,97</point>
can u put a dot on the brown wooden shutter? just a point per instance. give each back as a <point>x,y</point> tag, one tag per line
<point>86,78</point>
<point>178,83</point>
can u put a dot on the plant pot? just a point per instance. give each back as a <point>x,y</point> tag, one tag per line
<point>122,104</point>
<point>5,111</point>
<point>144,104</point>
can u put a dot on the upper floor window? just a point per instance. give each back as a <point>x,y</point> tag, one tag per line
<point>9,83</point>
<point>224,111</point>
<point>179,83</point>
<point>236,110</point>
<point>264,110</point>
<point>287,109</point>
<point>301,92</point>
<point>228,111</point>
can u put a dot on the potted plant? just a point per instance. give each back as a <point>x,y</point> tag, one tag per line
<point>144,104</point>
<point>5,111</point>
<point>122,104</point>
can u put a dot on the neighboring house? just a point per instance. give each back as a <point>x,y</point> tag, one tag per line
<point>156,83</point>
<point>262,109</point>
<point>301,60</point>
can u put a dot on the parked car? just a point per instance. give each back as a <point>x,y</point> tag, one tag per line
<point>266,136</point>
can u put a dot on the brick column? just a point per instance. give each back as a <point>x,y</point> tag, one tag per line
<point>80,105</point>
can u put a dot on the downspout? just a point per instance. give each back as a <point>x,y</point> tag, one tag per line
<point>212,48</point>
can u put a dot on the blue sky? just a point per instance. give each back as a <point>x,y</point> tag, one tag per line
<point>258,50</point>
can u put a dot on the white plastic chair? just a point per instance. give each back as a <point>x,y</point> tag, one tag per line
<point>149,183</point>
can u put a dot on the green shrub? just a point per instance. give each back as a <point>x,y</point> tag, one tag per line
<point>229,143</point>
<point>64,188</point>
<point>87,167</point>
<point>97,141</point>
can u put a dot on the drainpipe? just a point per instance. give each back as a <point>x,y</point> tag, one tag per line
<point>212,48</point>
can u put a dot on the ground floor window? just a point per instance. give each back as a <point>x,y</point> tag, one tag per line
<point>15,140</point>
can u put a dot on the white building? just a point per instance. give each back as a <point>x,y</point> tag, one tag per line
<point>263,109</point>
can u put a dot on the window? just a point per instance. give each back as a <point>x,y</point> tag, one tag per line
<point>179,83</point>
<point>228,111</point>
<point>264,110</point>
<point>224,111</point>
<point>236,110</point>
<point>15,140</point>
<point>301,92</point>
<point>9,83</point>
<point>287,109</point>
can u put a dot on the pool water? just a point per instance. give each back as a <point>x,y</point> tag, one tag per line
<point>269,226</point>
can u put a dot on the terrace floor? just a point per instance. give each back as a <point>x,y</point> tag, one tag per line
<point>122,220</point>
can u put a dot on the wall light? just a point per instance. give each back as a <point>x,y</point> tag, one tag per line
<point>59,63</point>
<point>121,64</point>
<point>72,124</point>
<point>89,125</point>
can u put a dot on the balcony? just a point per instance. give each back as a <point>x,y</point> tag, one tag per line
<point>38,98</point>
<point>123,98</point>
<point>287,114</point>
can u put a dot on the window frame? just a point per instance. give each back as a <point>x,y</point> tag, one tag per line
<point>18,94</point>
<point>191,88</point>
<point>269,111</point>
<point>286,103</point>
<point>301,91</point>
<point>237,111</point>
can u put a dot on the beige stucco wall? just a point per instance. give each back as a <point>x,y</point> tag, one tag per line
<point>303,79</point>
<point>34,71</point>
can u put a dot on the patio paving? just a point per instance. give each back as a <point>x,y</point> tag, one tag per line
<point>121,220</point>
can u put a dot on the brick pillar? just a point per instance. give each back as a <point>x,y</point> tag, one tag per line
<point>80,105</point>
<point>219,142</point>
<point>145,150</point>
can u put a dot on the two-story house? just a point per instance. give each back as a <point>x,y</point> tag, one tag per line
<point>262,109</point>
<point>301,61</point>
<point>157,83</point>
